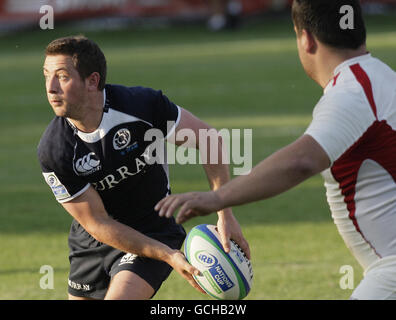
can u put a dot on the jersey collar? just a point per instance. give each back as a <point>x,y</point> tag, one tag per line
<point>106,102</point>
<point>351,62</point>
<point>342,65</point>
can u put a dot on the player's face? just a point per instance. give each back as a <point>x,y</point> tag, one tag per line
<point>66,91</point>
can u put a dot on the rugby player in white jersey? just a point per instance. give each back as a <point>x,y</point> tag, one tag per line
<point>94,156</point>
<point>351,141</point>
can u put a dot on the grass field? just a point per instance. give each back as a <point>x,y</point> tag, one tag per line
<point>246,79</point>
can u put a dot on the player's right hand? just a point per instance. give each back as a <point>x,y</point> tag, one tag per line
<point>179,262</point>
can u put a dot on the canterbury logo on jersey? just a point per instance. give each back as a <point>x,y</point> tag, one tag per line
<point>87,164</point>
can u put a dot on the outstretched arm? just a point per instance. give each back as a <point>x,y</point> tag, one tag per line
<point>216,169</point>
<point>89,211</point>
<point>278,173</point>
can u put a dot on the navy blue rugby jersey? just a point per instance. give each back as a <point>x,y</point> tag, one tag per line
<point>112,158</point>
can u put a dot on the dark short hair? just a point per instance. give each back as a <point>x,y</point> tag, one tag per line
<point>86,54</point>
<point>322,19</point>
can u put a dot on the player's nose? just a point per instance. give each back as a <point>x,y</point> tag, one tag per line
<point>52,85</point>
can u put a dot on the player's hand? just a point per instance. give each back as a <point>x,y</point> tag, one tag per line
<point>229,228</point>
<point>191,204</point>
<point>180,264</point>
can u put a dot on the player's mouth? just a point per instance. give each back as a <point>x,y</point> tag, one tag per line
<point>56,102</point>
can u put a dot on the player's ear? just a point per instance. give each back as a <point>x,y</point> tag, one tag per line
<point>296,30</point>
<point>92,81</point>
<point>308,41</point>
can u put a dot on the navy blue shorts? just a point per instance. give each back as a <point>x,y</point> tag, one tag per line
<point>93,264</point>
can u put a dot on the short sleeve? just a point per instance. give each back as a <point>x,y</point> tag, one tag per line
<point>339,120</point>
<point>64,188</point>
<point>166,115</point>
<point>57,168</point>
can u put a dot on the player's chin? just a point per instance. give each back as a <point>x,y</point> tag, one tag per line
<point>59,109</point>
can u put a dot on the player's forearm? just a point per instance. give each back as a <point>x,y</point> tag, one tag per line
<point>260,184</point>
<point>127,239</point>
<point>218,173</point>
<point>216,165</point>
<point>278,173</point>
<point>89,211</point>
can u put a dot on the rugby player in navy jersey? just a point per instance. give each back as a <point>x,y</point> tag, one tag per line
<point>93,157</point>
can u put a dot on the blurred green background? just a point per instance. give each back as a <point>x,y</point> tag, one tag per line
<point>248,78</point>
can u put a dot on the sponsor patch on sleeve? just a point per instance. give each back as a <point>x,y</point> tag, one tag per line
<point>59,190</point>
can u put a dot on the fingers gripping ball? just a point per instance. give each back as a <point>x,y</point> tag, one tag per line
<point>224,276</point>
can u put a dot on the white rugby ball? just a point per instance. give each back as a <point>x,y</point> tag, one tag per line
<point>224,276</point>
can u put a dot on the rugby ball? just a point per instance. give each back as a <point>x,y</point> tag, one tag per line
<point>224,276</point>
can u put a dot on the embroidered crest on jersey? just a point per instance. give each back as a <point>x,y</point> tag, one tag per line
<point>57,187</point>
<point>121,139</point>
<point>87,164</point>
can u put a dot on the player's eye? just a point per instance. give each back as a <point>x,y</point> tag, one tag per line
<point>62,77</point>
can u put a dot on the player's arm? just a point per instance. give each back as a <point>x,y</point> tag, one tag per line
<point>279,172</point>
<point>217,174</point>
<point>89,211</point>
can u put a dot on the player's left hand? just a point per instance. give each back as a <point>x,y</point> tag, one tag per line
<point>229,228</point>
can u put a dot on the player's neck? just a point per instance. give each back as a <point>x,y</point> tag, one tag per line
<point>329,60</point>
<point>91,114</point>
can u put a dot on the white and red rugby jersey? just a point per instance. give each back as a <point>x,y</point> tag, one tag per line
<point>355,123</point>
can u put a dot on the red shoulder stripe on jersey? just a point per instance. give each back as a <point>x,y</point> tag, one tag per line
<point>362,77</point>
<point>335,78</point>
